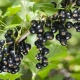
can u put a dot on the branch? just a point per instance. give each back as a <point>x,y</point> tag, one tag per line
<point>23,37</point>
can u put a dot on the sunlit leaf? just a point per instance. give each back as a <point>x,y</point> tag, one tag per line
<point>12,10</point>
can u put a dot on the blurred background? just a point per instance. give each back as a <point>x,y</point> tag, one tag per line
<point>67,66</point>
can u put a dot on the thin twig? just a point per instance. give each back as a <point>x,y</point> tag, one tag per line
<point>3,23</point>
<point>23,37</point>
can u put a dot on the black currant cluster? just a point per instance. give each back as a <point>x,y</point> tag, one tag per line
<point>58,23</point>
<point>64,3</point>
<point>12,53</point>
<point>42,37</point>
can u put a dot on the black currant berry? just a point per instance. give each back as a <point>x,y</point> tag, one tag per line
<point>75,14</point>
<point>39,29</point>
<point>76,25</point>
<point>58,37</point>
<point>27,47</point>
<point>38,65</point>
<point>69,25</point>
<point>45,51</point>
<point>32,30</point>
<point>62,31</point>
<point>41,22</point>
<point>39,56</point>
<point>40,47</point>
<point>48,23</point>
<point>44,64</point>
<point>34,23</point>
<point>68,36</point>
<point>10,40</point>
<point>69,15</point>
<point>48,35</point>
<point>63,42</point>
<point>53,29</point>
<point>9,32</point>
<point>63,3</point>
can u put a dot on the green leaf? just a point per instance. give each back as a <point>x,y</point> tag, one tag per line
<point>12,10</point>
<point>44,72</point>
<point>4,3</point>
<point>49,11</point>
<point>16,20</point>
<point>12,76</point>
<point>2,76</point>
<point>57,77</point>
<point>56,53</point>
<point>76,76</point>
<point>11,26</point>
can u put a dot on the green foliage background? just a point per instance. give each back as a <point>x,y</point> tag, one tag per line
<point>21,12</point>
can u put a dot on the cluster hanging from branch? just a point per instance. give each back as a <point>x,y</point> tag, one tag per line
<point>12,51</point>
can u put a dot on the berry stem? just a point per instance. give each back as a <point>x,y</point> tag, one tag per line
<point>3,23</point>
<point>23,37</point>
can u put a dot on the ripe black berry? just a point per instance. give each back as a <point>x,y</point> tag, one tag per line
<point>34,23</point>
<point>48,35</point>
<point>38,65</point>
<point>48,23</point>
<point>68,25</point>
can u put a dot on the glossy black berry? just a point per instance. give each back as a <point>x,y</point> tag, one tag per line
<point>68,36</point>
<point>63,42</point>
<point>41,22</point>
<point>39,56</point>
<point>25,52</point>
<point>58,37</point>
<point>38,65</point>
<point>39,29</point>
<point>40,47</point>
<point>45,51</point>
<point>9,32</point>
<point>10,40</point>
<point>63,3</point>
<point>10,62</point>
<point>53,29</point>
<point>69,25</point>
<point>48,35</point>
<point>62,31</point>
<point>4,68</point>
<point>4,60</point>
<point>32,30</point>
<point>69,15</point>
<point>44,59</point>
<point>16,33</point>
<point>27,46</point>
<point>78,29</point>
<point>37,42</point>
<point>48,23</point>
<point>6,50</point>
<point>44,64</point>
<point>34,23</point>
<point>40,36</point>
<point>75,14</point>
<point>76,25</point>
<point>16,69</point>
